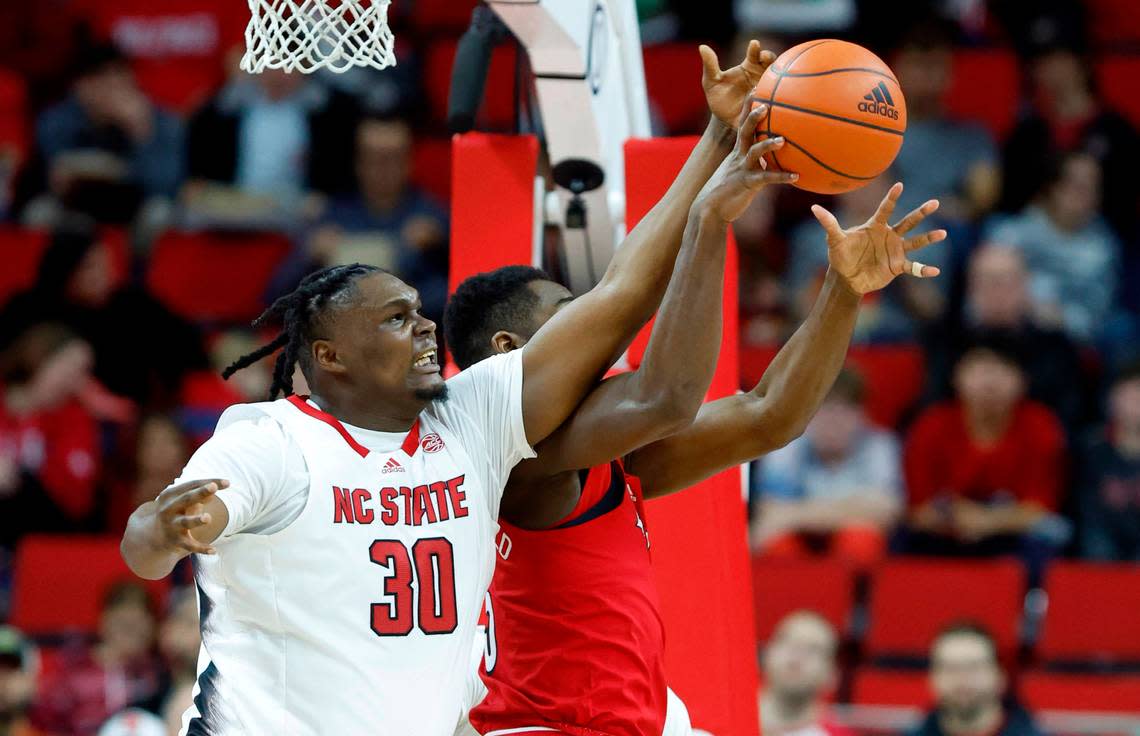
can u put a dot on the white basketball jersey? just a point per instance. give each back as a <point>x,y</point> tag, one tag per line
<point>359,617</point>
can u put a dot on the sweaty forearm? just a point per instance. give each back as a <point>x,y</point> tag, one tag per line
<point>798,379</point>
<point>681,357</point>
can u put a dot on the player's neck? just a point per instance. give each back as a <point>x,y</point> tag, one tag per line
<point>358,414</point>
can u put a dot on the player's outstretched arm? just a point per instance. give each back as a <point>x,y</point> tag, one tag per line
<point>740,428</point>
<point>184,519</point>
<point>569,354</point>
<point>664,394</point>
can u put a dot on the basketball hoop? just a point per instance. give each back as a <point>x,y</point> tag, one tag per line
<point>307,35</point>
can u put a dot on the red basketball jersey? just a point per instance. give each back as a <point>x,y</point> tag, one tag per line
<point>575,637</point>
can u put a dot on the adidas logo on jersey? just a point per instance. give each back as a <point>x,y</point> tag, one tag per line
<point>880,102</point>
<point>392,466</point>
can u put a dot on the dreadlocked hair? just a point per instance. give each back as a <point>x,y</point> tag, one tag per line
<point>299,312</point>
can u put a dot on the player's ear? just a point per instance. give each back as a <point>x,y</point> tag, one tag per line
<point>504,342</point>
<point>326,358</point>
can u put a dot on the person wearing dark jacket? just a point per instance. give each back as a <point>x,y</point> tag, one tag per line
<point>275,134</point>
<point>968,684</point>
<point>77,287</point>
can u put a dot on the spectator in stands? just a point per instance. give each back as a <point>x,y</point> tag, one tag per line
<point>838,484</point>
<point>106,146</point>
<point>159,452</point>
<point>76,286</point>
<point>1072,254</point>
<point>17,683</point>
<point>1109,492</point>
<point>118,672</point>
<point>985,471</point>
<point>998,300</point>
<point>799,672</point>
<point>49,441</point>
<point>274,137</point>
<point>951,160</point>
<point>179,640</point>
<point>1067,115</point>
<point>389,223</point>
<point>968,686</point>
<point>899,308</point>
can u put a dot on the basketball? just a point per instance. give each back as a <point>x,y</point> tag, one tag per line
<point>840,110</point>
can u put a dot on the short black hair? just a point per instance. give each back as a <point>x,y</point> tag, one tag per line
<point>998,342</point>
<point>1129,371</point>
<point>301,312</point>
<point>966,627</point>
<point>486,303</point>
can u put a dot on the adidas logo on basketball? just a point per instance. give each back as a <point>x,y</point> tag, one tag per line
<point>880,102</point>
<point>392,466</point>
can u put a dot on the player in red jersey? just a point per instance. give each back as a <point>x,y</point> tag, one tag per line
<point>575,641</point>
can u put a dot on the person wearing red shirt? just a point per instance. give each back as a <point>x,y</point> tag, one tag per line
<point>985,471</point>
<point>49,440</point>
<point>119,671</point>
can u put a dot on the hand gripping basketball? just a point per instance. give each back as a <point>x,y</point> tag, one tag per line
<point>743,173</point>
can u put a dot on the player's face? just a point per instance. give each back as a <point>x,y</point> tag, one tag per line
<point>965,676</point>
<point>384,347</point>
<point>551,298</point>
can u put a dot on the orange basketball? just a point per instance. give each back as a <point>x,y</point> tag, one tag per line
<point>840,110</point>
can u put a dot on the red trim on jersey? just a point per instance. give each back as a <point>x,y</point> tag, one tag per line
<point>412,441</point>
<point>301,402</point>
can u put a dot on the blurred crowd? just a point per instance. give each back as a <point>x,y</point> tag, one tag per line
<point>1022,439</point>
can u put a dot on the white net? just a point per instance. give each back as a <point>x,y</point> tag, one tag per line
<point>306,35</point>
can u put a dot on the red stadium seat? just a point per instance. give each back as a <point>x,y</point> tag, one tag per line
<point>1074,692</point>
<point>215,276</point>
<point>673,79</point>
<point>21,250</point>
<point>780,587</point>
<point>59,582</point>
<point>440,15</point>
<point>498,109</point>
<point>15,135</point>
<point>1116,76</point>
<point>1092,613</point>
<point>872,686</point>
<point>912,599</point>
<point>894,375</point>
<point>986,86</point>
<point>431,167</point>
<point>1113,21</point>
<point>177,48</point>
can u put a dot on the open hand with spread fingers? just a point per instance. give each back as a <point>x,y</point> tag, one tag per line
<point>726,90</point>
<point>871,255</point>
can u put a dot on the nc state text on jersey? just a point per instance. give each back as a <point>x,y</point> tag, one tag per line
<point>411,506</point>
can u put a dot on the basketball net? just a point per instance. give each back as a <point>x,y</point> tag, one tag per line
<point>307,35</point>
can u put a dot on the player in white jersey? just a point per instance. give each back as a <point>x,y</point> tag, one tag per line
<point>343,542</point>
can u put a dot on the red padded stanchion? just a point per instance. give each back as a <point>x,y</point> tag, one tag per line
<point>699,536</point>
<point>492,202</point>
